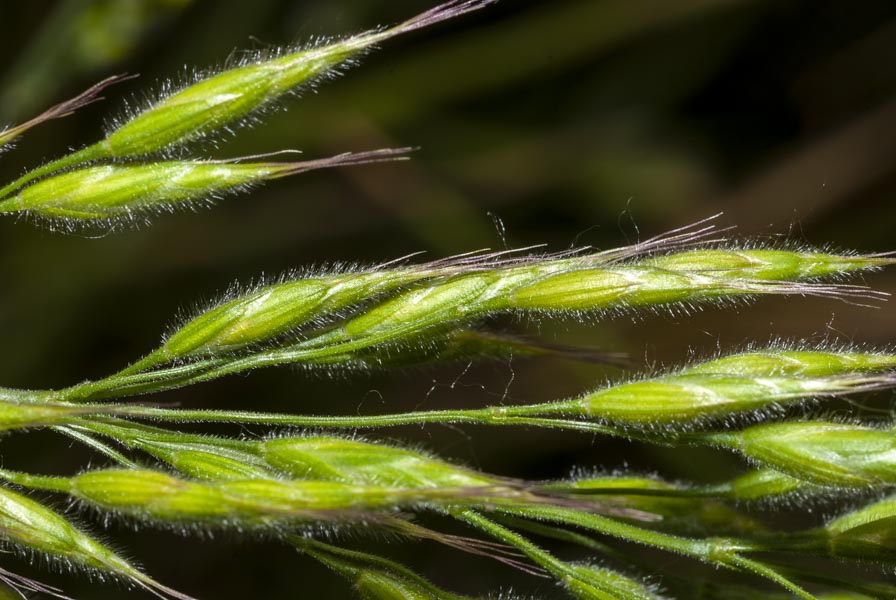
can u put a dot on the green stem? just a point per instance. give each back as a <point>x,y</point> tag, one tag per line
<point>38,482</point>
<point>582,581</point>
<point>118,385</point>
<point>486,416</point>
<point>558,533</point>
<point>765,571</point>
<point>132,434</point>
<point>141,378</point>
<point>97,445</point>
<point>539,556</point>
<point>326,552</point>
<point>150,361</point>
<point>16,395</point>
<point>719,551</point>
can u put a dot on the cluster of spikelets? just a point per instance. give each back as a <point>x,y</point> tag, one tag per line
<point>287,486</point>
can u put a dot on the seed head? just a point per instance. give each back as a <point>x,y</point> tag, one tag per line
<point>681,399</point>
<point>866,534</point>
<point>274,310</point>
<point>223,99</point>
<point>739,383</point>
<point>248,502</point>
<point>764,484</point>
<point>804,363</point>
<point>31,525</point>
<point>828,454</point>
<point>116,192</point>
<point>685,276</point>
<point>575,285</point>
<point>206,461</point>
<point>340,459</point>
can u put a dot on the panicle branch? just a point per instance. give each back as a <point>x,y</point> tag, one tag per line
<point>676,404</point>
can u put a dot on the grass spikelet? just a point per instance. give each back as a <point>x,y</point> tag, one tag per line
<point>29,525</point>
<point>250,502</point>
<point>767,263</point>
<point>866,534</point>
<point>806,362</point>
<point>697,399</point>
<point>824,453</point>
<point>271,311</point>
<point>206,461</point>
<point>124,193</point>
<point>306,485</point>
<point>435,300</point>
<point>226,98</point>
<point>334,458</point>
<point>570,285</point>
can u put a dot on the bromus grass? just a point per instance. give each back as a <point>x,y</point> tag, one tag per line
<point>310,482</point>
<point>109,192</point>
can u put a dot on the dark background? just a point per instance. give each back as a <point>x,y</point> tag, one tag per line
<point>574,122</point>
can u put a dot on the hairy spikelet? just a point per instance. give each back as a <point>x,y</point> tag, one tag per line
<point>864,534</point>
<point>251,502</point>
<point>223,99</point>
<point>824,453</point>
<point>341,459</point>
<point>313,488</point>
<point>29,525</point>
<point>573,285</point>
<point>119,193</point>
<point>219,100</point>
<point>345,318</point>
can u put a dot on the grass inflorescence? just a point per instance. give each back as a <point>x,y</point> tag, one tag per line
<point>310,481</point>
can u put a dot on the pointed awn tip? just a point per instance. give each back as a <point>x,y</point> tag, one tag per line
<point>443,12</point>
<point>349,159</point>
